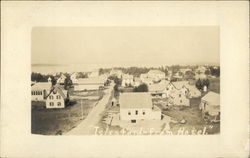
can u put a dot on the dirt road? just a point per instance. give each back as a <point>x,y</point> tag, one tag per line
<point>87,126</point>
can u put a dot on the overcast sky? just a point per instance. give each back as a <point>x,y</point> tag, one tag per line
<point>130,46</point>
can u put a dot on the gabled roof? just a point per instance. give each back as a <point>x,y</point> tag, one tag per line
<point>135,100</point>
<point>60,91</point>
<point>41,86</point>
<point>212,98</point>
<point>179,84</point>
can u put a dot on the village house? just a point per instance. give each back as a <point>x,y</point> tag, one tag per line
<point>210,106</point>
<point>186,88</point>
<point>61,79</point>
<point>127,80</point>
<point>136,107</point>
<point>159,89</point>
<point>56,98</point>
<point>39,90</point>
<point>93,83</point>
<point>156,75</point>
<point>156,90</point>
<point>177,76</point>
<point>177,98</point>
<point>73,78</point>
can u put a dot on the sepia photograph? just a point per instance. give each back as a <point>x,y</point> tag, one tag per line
<point>125,80</point>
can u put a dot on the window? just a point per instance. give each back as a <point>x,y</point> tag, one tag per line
<point>136,112</point>
<point>129,113</point>
<point>180,101</point>
<point>32,93</point>
<point>58,97</point>
<point>143,113</point>
<point>179,95</point>
<point>51,103</point>
<point>50,97</point>
<point>59,103</point>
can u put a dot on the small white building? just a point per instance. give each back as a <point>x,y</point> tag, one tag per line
<point>138,106</point>
<point>61,79</point>
<point>210,104</point>
<point>127,80</point>
<point>93,83</point>
<point>73,78</point>
<point>156,75</point>
<point>56,98</point>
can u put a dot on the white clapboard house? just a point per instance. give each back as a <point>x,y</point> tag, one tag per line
<point>136,107</point>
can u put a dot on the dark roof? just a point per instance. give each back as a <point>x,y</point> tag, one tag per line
<point>56,89</point>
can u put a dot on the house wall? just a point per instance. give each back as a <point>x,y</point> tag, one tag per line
<point>149,114</point>
<point>127,82</point>
<point>37,95</point>
<point>58,102</point>
<point>81,87</point>
<point>183,100</point>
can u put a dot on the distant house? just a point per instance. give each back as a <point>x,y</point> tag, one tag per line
<point>73,78</point>
<point>61,79</point>
<point>145,79</point>
<point>159,89</point>
<point>127,80</point>
<point>156,75</point>
<point>189,90</point>
<point>115,72</point>
<point>210,105</point>
<point>56,98</point>
<point>156,89</point>
<point>93,83</point>
<point>39,90</point>
<point>177,76</point>
<point>138,106</point>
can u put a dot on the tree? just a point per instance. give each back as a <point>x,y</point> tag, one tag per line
<point>198,84</point>
<point>206,83</point>
<point>141,88</point>
<point>67,82</point>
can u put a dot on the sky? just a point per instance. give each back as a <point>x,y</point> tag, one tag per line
<point>125,46</point>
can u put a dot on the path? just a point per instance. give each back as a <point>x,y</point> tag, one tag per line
<point>87,126</point>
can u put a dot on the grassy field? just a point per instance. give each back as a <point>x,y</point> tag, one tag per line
<point>58,121</point>
<point>193,117</point>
